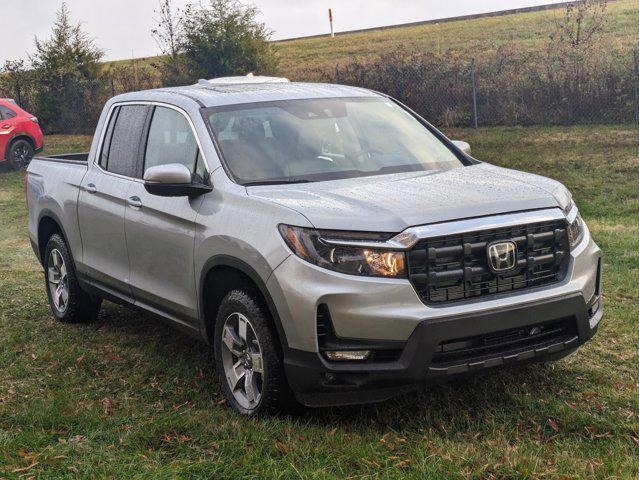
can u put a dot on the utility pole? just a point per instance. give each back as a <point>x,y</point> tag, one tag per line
<point>330,20</point>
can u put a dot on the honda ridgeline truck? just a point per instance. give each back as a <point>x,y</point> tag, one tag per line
<point>326,241</point>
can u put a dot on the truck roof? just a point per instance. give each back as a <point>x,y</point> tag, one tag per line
<point>220,93</point>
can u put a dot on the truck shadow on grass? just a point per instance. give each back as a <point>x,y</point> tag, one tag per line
<point>517,397</point>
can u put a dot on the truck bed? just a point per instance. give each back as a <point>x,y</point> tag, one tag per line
<point>66,158</point>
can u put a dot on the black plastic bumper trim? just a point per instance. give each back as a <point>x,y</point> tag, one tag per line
<point>317,382</point>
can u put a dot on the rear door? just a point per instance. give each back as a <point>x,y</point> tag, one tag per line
<point>160,231</point>
<point>103,197</point>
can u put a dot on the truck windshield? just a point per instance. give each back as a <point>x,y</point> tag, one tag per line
<point>324,139</point>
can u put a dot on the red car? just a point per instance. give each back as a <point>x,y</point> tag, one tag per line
<point>20,135</point>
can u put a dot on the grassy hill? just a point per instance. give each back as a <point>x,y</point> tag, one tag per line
<point>472,37</point>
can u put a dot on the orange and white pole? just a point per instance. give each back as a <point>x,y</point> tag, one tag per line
<point>330,19</point>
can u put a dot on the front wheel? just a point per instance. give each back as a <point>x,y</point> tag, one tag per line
<point>249,365</point>
<point>20,154</point>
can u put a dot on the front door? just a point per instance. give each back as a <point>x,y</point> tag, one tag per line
<point>160,231</point>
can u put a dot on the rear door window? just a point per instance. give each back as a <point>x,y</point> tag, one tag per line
<point>121,151</point>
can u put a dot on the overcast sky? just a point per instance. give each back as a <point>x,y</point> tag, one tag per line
<point>122,27</point>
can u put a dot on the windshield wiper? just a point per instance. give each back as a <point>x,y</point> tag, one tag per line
<point>277,181</point>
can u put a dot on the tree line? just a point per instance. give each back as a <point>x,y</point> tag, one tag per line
<point>65,81</point>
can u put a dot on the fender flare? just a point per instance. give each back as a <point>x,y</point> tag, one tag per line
<point>242,266</point>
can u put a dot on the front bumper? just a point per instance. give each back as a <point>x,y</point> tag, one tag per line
<point>387,314</point>
<point>318,382</point>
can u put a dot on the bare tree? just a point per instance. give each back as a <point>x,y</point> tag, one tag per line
<point>167,35</point>
<point>575,41</point>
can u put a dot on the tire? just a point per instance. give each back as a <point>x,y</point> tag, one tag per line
<point>266,377</point>
<point>20,154</point>
<point>69,304</point>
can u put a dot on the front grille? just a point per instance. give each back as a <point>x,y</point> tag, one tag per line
<point>505,342</point>
<point>454,268</point>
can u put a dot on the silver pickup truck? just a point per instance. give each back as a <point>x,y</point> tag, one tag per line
<point>330,244</point>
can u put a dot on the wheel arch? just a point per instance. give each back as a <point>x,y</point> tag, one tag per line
<point>237,273</point>
<point>48,225</point>
<point>19,136</point>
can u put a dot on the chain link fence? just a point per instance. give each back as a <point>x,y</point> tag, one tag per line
<point>508,88</point>
<point>502,90</point>
<point>74,106</point>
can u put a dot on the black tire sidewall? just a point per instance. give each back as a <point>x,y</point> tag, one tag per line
<point>77,307</point>
<point>274,387</point>
<point>12,146</point>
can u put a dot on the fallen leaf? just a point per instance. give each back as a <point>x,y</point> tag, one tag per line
<point>24,469</point>
<point>77,439</point>
<point>553,425</point>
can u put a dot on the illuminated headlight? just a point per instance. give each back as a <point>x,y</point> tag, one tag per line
<point>312,246</point>
<point>575,226</point>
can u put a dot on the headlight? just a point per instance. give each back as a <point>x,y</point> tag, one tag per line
<point>575,226</point>
<point>312,246</point>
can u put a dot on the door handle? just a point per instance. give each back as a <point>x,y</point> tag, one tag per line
<point>134,202</point>
<point>6,127</point>
<point>90,188</point>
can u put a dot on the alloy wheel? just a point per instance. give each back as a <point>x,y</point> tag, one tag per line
<point>58,281</point>
<point>242,361</point>
<point>21,155</point>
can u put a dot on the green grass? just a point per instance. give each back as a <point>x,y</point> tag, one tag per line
<point>128,397</point>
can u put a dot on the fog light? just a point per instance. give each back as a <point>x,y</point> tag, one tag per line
<point>347,355</point>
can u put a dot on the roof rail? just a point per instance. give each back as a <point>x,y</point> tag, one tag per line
<point>250,78</point>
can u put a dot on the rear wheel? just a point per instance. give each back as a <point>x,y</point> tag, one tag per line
<point>250,368</point>
<point>20,154</point>
<point>68,302</point>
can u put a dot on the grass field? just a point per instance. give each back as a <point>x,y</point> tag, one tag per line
<point>127,397</point>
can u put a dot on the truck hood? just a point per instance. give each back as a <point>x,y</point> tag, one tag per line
<point>392,203</point>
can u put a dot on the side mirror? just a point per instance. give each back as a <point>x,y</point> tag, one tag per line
<point>463,146</point>
<point>172,180</point>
